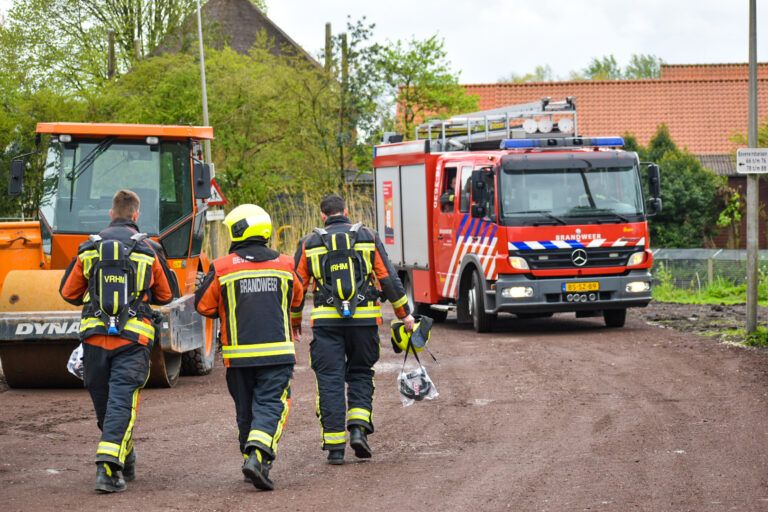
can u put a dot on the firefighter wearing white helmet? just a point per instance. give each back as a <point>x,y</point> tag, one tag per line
<point>251,290</point>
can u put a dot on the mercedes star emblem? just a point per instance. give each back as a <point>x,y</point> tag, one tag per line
<point>579,257</point>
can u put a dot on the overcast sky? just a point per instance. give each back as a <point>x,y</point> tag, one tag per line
<point>491,38</point>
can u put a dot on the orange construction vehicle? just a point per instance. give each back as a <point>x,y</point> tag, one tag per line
<point>86,164</point>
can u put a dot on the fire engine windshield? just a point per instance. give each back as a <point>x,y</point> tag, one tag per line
<point>82,177</point>
<point>571,195</point>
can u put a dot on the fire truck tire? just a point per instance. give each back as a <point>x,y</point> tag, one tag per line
<point>614,317</point>
<point>481,321</point>
<point>200,361</point>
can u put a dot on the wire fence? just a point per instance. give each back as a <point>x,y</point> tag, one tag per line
<point>695,268</point>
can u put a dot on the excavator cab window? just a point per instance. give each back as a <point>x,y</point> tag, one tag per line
<point>82,176</point>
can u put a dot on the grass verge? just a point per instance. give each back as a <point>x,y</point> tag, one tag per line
<point>759,338</point>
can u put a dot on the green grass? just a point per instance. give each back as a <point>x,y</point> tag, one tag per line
<point>716,293</point>
<point>720,291</point>
<point>759,338</point>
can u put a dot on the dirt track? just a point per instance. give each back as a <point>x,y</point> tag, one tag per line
<point>550,414</point>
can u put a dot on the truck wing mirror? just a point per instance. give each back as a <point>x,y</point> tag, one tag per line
<point>478,211</point>
<point>201,174</point>
<point>654,180</point>
<point>17,177</point>
<point>478,186</point>
<point>654,206</point>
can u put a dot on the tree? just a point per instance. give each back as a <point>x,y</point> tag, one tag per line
<point>542,73</point>
<point>690,213</point>
<point>643,66</point>
<point>419,76</point>
<point>731,216</point>
<point>275,118</point>
<point>603,69</point>
<point>64,42</point>
<point>364,110</point>
<point>762,136</point>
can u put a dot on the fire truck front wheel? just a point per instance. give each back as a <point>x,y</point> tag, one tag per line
<point>481,321</point>
<point>614,317</point>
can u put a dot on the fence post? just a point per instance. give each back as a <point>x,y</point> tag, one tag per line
<point>710,271</point>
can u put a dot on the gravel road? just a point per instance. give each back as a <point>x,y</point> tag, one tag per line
<point>547,414</point>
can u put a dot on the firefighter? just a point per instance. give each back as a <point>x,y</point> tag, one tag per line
<point>116,367</point>
<point>345,343</point>
<point>252,290</point>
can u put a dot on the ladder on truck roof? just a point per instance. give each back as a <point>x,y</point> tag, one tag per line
<point>485,129</point>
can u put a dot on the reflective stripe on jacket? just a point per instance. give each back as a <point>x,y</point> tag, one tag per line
<point>377,268</point>
<point>253,300</point>
<point>151,276</point>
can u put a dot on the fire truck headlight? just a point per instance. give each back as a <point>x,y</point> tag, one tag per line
<point>636,259</point>
<point>518,263</point>
<point>517,292</point>
<point>638,287</point>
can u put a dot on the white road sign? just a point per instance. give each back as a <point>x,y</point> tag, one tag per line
<point>211,215</point>
<point>752,160</point>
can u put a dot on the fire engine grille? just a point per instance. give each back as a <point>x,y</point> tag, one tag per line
<point>561,258</point>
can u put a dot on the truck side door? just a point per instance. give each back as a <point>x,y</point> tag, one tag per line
<point>451,209</point>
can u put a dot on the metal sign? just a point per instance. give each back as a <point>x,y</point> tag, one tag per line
<point>211,215</point>
<point>217,198</point>
<point>752,160</point>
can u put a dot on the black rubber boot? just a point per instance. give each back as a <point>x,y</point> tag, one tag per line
<point>358,440</point>
<point>129,468</point>
<point>108,479</point>
<point>258,471</point>
<point>336,457</point>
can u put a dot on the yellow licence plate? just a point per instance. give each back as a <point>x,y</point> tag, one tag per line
<point>581,287</point>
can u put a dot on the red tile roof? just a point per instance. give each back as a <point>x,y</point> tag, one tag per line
<point>701,113</point>
<point>710,71</point>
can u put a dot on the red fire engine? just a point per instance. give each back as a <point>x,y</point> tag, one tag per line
<point>510,210</point>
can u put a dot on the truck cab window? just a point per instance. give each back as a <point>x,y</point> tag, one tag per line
<point>466,188</point>
<point>448,190</point>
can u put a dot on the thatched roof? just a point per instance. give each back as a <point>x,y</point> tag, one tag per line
<point>237,23</point>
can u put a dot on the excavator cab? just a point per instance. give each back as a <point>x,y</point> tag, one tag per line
<point>86,164</point>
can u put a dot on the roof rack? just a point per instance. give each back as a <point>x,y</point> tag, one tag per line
<point>484,129</point>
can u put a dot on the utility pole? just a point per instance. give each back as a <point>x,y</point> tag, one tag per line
<point>214,232</point>
<point>752,184</point>
<point>207,143</point>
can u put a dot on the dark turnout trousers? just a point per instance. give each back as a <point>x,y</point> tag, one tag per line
<point>262,396</point>
<point>113,379</point>
<point>344,356</point>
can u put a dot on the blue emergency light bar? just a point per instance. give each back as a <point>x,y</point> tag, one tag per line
<point>562,142</point>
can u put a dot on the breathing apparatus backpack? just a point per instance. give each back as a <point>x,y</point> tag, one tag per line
<point>112,284</point>
<point>343,283</point>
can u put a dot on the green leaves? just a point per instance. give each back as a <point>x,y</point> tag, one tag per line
<point>641,66</point>
<point>421,73</point>
<point>690,213</point>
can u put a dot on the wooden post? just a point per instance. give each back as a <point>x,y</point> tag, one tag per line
<point>343,128</point>
<point>111,55</point>
<point>710,271</point>
<point>328,48</point>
